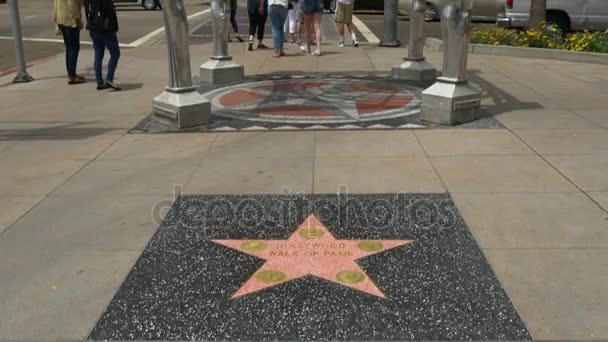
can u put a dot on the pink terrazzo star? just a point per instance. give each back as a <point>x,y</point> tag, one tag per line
<point>311,250</point>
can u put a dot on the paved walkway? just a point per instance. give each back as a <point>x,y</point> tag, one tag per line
<point>81,198</point>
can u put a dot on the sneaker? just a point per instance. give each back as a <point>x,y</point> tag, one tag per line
<point>316,53</point>
<point>304,49</point>
<point>261,46</point>
<point>102,86</point>
<point>341,44</point>
<point>250,46</point>
<point>113,85</point>
<point>355,43</point>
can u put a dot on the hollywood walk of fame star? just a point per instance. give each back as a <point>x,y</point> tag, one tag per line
<point>310,250</point>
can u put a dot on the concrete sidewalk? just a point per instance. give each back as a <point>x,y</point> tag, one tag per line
<point>79,194</point>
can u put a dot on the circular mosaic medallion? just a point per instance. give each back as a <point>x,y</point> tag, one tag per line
<point>318,100</point>
<point>370,246</point>
<point>350,277</point>
<point>253,246</point>
<point>271,277</point>
<point>311,233</point>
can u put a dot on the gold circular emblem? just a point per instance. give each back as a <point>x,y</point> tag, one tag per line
<point>311,233</point>
<point>271,277</point>
<point>370,246</point>
<point>253,246</point>
<point>350,277</point>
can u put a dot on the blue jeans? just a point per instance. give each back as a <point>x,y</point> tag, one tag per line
<point>278,14</point>
<point>101,41</point>
<point>71,39</point>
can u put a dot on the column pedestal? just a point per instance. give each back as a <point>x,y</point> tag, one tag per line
<point>181,109</point>
<point>414,69</point>
<point>450,102</point>
<point>221,70</point>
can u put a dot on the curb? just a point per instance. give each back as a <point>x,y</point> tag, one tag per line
<point>515,51</point>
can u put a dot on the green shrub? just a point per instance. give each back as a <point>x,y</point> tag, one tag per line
<point>548,37</point>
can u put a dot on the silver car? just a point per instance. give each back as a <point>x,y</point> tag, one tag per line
<point>566,14</point>
<point>486,10</point>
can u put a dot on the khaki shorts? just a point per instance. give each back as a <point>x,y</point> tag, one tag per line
<point>344,13</point>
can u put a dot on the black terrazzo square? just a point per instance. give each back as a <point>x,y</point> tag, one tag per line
<point>440,287</point>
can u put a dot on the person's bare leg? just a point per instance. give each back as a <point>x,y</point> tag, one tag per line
<point>299,33</point>
<point>350,28</point>
<point>317,23</point>
<point>308,21</point>
<point>353,35</point>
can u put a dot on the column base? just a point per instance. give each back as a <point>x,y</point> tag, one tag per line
<point>22,77</point>
<point>181,110</point>
<point>451,104</point>
<point>394,43</point>
<point>414,70</point>
<point>220,71</point>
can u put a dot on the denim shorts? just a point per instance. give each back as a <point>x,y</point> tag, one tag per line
<point>313,6</point>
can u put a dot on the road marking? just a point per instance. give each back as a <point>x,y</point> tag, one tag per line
<point>365,31</point>
<point>55,40</point>
<point>160,30</point>
<point>42,40</point>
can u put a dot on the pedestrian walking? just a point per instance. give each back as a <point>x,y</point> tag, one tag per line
<point>67,15</point>
<point>258,13</point>
<point>313,10</point>
<point>344,16</point>
<point>235,26</point>
<point>278,14</point>
<point>291,22</point>
<point>103,25</point>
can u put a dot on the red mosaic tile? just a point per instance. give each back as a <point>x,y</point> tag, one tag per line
<point>370,106</point>
<point>239,97</point>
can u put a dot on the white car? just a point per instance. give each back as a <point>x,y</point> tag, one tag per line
<point>568,15</point>
<point>147,4</point>
<point>487,10</point>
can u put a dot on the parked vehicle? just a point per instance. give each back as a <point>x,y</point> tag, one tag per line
<point>485,10</point>
<point>568,15</point>
<point>147,4</point>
